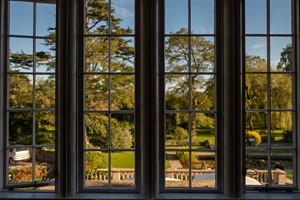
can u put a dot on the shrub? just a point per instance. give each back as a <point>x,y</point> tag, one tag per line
<point>184,158</point>
<point>180,135</point>
<point>253,138</point>
<point>121,137</point>
<point>288,136</point>
<point>94,161</point>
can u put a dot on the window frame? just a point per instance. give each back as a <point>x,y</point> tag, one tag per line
<point>67,110</point>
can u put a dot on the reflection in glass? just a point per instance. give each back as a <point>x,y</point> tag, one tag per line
<point>96,169</point>
<point>21,54</point>
<point>45,128</point>
<point>203,131</point>
<point>45,19</point>
<point>282,166</point>
<point>256,129</point>
<point>45,55</point>
<point>177,92</point>
<point>122,54</point>
<point>21,18</point>
<point>176,54</point>
<point>97,16</point>
<point>123,11</point>
<point>45,91</point>
<point>176,16</point>
<point>96,54</point>
<point>203,92</point>
<point>256,54</point>
<point>122,131</point>
<point>122,169</point>
<point>177,130</point>
<point>281,91</point>
<point>280,16</point>
<point>256,16</point>
<point>281,54</point>
<point>96,92</point>
<point>203,170</point>
<point>177,169</point>
<point>96,130</point>
<point>122,92</point>
<point>20,91</point>
<point>202,54</point>
<point>256,91</point>
<point>20,165</point>
<point>20,128</point>
<point>202,16</point>
<point>256,167</point>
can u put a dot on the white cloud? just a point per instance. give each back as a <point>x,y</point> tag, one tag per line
<point>257,46</point>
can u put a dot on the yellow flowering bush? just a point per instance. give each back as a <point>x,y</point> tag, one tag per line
<point>253,138</point>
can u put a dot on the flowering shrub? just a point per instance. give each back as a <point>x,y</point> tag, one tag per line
<point>21,174</point>
<point>253,138</point>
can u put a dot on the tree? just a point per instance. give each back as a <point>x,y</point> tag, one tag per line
<point>285,62</point>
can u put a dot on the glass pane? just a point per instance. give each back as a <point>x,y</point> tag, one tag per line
<point>45,91</point>
<point>281,14</point>
<point>176,16</point>
<point>122,131</point>
<point>203,54</point>
<point>256,54</point>
<point>203,170</point>
<point>202,16</point>
<point>256,91</point>
<point>203,92</point>
<point>20,91</point>
<point>45,128</point>
<point>45,19</point>
<point>122,92</point>
<point>96,92</point>
<point>176,54</point>
<point>96,130</point>
<point>21,18</point>
<point>122,169</point>
<point>256,16</point>
<point>177,92</point>
<point>122,16</point>
<point>281,54</point>
<point>19,166</point>
<point>282,165</point>
<point>282,127</point>
<point>203,131</point>
<point>177,131</point>
<point>20,128</point>
<point>256,129</point>
<point>257,167</point>
<point>45,55</point>
<point>281,91</point>
<point>96,16</point>
<point>21,55</point>
<point>96,54</point>
<point>45,165</point>
<point>96,169</point>
<point>177,169</point>
<point>122,54</point>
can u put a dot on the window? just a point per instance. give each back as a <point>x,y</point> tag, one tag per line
<point>149,99</point>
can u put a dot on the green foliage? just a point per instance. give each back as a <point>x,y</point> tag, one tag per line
<point>253,138</point>
<point>288,136</point>
<point>121,137</point>
<point>184,158</point>
<point>181,136</point>
<point>93,162</point>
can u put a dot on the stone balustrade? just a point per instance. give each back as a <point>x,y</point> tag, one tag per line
<point>278,176</point>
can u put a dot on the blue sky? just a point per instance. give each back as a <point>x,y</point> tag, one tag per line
<point>176,17</point>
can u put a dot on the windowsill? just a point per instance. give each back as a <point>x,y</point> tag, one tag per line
<point>202,196</point>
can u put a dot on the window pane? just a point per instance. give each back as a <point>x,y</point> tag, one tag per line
<point>256,54</point>
<point>256,91</point>
<point>281,54</point>
<point>256,124</point>
<point>203,170</point>
<point>21,18</point>
<point>281,91</point>
<point>122,16</point>
<point>281,14</point>
<point>45,55</point>
<point>21,54</point>
<point>45,128</point>
<point>45,19</point>
<point>256,16</point>
<point>96,169</point>
<point>202,16</point>
<point>282,128</point>
<point>20,128</point>
<point>45,91</point>
<point>176,16</point>
<point>122,131</point>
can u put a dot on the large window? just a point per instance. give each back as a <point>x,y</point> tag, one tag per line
<point>30,89</point>
<point>149,99</point>
<point>269,72</point>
